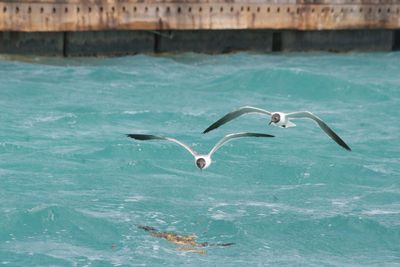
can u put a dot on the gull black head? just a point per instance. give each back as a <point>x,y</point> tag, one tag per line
<point>200,162</point>
<point>275,118</point>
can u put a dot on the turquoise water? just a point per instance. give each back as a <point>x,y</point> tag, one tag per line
<point>73,187</point>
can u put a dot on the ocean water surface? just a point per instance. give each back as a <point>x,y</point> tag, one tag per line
<point>73,187</point>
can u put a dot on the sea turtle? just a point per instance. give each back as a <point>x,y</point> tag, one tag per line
<point>185,242</point>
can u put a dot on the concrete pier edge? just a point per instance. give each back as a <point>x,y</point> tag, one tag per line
<point>120,27</point>
<point>128,42</point>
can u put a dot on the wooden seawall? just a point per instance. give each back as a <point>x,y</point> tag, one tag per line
<point>72,27</point>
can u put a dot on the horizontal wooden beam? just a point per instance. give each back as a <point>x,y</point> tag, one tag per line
<point>75,15</point>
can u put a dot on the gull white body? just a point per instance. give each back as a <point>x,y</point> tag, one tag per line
<point>207,159</point>
<point>284,121</point>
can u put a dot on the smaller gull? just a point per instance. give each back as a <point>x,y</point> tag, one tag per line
<point>280,119</point>
<point>202,161</point>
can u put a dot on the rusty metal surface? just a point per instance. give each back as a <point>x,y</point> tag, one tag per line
<point>75,15</point>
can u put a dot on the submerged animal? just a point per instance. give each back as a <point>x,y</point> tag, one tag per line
<point>186,242</point>
<point>202,161</point>
<point>279,119</point>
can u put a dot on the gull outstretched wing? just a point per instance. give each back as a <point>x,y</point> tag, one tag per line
<point>144,137</point>
<point>322,124</point>
<point>234,114</point>
<point>229,137</point>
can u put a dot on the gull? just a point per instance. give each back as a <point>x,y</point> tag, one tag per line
<point>280,119</point>
<point>202,161</point>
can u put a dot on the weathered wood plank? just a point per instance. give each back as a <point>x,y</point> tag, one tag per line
<point>75,15</point>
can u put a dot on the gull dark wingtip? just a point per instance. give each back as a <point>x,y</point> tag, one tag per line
<point>331,133</point>
<point>136,136</point>
<point>262,135</point>
<point>339,140</point>
<point>206,131</point>
<point>143,137</point>
<point>268,135</point>
<point>345,146</point>
<point>209,129</point>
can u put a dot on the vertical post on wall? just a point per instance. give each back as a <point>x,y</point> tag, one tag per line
<point>276,41</point>
<point>396,40</point>
<point>157,39</point>
<point>64,47</point>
